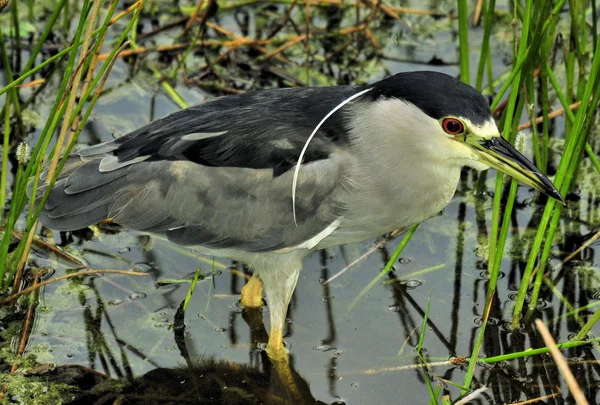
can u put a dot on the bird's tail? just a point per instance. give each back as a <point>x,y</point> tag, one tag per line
<point>81,196</point>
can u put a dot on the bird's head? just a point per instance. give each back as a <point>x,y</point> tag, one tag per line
<point>454,122</point>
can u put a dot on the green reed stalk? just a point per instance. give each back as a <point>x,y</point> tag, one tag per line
<point>52,59</point>
<point>5,146</point>
<point>583,333</point>
<point>581,47</point>
<point>14,14</point>
<point>534,352</point>
<point>530,50</point>
<point>494,275</point>
<point>55,116</point>
<point>566,169</point>
<point>463,39</point>
<point>508,135</point>
<point>497,241</point>
<point>568,112</point>
<point>572,169</point>
<point>571,118</point>
<point>594,25</point>
<point>42,39</point>
<point>19,198</point>
<point>593,158</point>
<point>9,77</point>
<point>432,394</point>
<point>545,56</point>
<point>531,113</point>
<point>488,20</point>
<point>101,75</point>
<point>39,44</point>
<point>66,18</point>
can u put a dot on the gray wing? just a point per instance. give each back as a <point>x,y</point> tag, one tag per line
<point>217,176</point>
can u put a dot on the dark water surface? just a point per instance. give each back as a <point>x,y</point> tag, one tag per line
<point>124,326</point>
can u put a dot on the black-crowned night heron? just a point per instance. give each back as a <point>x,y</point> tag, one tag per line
<point>218,176</point>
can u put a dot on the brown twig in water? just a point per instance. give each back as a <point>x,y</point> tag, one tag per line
<point>576,252</point>
<point>371,37</point>
<point>180,46</point>
<point>538,399</point>
<point>563,367</point>
<point>193,16</point>
<point>26,325</point>
<point>285,19</point>
<point>125,12</point>
<point>307,37</point>
<point>551,115</point>
<point>291,42</point>
<point>500,107</point>
<point>568,258</point>
<point>359,4</point>
<point>262,49</point>
<point>54,249</point>
<point>66,276</point>
<point>167,26</point>
<point>70,83</point>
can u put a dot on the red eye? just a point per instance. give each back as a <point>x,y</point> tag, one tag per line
<point>452,126</point>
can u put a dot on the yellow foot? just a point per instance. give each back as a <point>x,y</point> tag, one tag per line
<point>275,348</point>
<point>252,293</point>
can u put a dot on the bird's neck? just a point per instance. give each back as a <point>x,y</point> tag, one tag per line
<point>399,172</point>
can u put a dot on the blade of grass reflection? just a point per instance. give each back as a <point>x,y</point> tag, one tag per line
<point>563,300</point>
<point>387,267</point>
<point>402,297</point>
<point>433,395</point>
<point>415,274</point>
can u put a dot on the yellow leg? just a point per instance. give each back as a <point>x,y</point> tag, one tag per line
<point>275,348</point>
<point>252,293</point>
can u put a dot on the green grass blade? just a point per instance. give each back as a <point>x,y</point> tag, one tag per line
<point>463,39</point>
<point>191,289</point>
<point>387,267</point>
